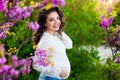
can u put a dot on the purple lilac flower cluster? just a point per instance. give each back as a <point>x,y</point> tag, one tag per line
<point>115,40</point>
<point>33,26</point>
<point>117,60</point>
<point>43,57</point>
<point>112,37</point>
<point>3,29</point>
<point>13,15</point>
<point>105,23</point>
<point>11,67</point>
<point>56,2</point>
<point>16,13</point>
<point>1,5</point>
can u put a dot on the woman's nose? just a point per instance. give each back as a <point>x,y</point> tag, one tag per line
<point>57,21</point>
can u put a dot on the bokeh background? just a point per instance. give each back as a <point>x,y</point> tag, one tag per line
<point>82,25</point>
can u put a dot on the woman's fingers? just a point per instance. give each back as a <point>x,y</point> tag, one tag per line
<point>63,73</point>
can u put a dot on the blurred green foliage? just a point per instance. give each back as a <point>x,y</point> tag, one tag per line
<point>117,18</point>
<point>81,22</point>
<point>112,70</point>
<point>85,64</point>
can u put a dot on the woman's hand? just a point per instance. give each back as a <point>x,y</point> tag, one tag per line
<point>63,73</point>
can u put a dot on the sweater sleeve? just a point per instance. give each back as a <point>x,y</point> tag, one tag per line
<point>67,41</point>
<point>47,69</point>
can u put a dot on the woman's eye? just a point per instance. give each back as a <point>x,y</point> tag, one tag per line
<point>51,20</point>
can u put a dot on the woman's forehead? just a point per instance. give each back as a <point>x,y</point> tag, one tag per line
<point>52,14</point>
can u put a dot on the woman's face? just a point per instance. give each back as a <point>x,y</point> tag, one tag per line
<point>52,22</point>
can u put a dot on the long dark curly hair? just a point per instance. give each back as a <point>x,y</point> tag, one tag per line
<point>42,16</point>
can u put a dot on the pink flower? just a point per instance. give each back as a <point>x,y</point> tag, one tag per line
<point>3,60</point>
<point>105,23</point>
<point>43,57</point>
<point>1,5</point>
<point>110,20</point>
<point>14,58</point>
<point>62,2</point>
<point>55,3</point>
<point>3,35</point>
<point>26,12</point>
<point>27,63</point>
<point>23,71</point>
<point>14,14</point>
<point>19,63</point>
<point>14,73</point>
<point>26,15</point>
<point>33,26</point>
<point>6,68</point>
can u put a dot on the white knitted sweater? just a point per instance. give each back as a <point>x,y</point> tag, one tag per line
<point>59,57</point>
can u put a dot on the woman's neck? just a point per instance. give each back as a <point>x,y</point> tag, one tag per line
<point>51,32</point>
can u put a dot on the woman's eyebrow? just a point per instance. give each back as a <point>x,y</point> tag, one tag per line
<point>50,18</point>
<point>53,17</point>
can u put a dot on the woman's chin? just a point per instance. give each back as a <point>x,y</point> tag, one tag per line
<point>56,29</point>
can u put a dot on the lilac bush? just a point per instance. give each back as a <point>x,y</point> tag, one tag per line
<point>11,67</point>
<point>16,13</point>
<point>112,36</point>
